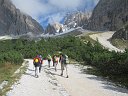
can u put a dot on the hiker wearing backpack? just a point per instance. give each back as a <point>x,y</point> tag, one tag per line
<point>41,62</point>
<point>63,61</point>
<point>37,63</point>
<point>49,60</point>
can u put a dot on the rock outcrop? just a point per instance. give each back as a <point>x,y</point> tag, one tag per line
<point>12,21</point>
<point>109,15</point>
<point>121,34</point>
<point>76,19</point>
<point>55,28</point>
<point>50,29</point>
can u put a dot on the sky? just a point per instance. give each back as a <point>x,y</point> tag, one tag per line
<point>47,11</point>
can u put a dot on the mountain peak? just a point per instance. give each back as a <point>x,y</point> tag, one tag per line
<point>12,21</point>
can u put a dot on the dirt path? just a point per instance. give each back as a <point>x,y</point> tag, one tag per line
<point>50,83</point>
<point>103,39</point>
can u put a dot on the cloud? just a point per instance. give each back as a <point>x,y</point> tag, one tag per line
<point>65,4</point>
<point>34,8</point>
<point>52,18</point>
<point>39,9</point>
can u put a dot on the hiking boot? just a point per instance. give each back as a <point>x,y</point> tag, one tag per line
<point>61,74</point>
<point>67,76</point>
<point>37,76</point>
<point>55,69</point>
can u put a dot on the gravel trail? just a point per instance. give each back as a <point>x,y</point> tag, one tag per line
<point>50,83</point>
<point>45,85</point>
<point>80,83</point>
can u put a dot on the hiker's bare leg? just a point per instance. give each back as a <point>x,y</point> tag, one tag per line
<point>48,63</point>
<point>40,67</point>
<point>61,72</point>
<point>38,71</point>
<point>55,66</point>
<point>35,71</point>
<point>62,69</point>
<point>53,63</point>
<point>66,71</point>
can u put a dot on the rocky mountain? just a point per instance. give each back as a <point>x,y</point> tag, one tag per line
<point>109,15</point>
<point>50,29</point>
<point>76,19</point>
<point>12,21</point>
<point>55,28</point>
<point>71,20</point>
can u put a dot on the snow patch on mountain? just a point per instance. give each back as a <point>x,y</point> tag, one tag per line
<point>59,34</point>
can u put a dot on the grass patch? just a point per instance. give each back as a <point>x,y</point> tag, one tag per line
<point>121,44</point>
<point>87,38</point>
<point>7,73</point>
<point>6,70</point>
<point>72,61</point>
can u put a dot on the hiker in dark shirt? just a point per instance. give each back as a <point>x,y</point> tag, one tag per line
<point>63,61</point>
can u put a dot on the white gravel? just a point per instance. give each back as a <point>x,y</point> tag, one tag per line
<point>50,83</point>
<point>83,84</point>
<point>5,37</point>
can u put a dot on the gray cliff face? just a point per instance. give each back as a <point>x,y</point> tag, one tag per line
<point>55,28</point>
<point>12,21</point>
<point>50,29</point>
<point>109,15</point>
<point>76,19</point>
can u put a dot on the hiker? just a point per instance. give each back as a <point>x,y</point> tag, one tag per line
<point>49,60</point>
<point>41,62</point>
<point>63,61</point>
<point>55,59</point>
<point>37,63</point>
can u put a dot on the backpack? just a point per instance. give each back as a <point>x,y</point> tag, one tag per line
<point>55,59</point>
<point>65,59</point>
<point>41,59</point>
<point>36,61</point>
<point>49,57</point>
